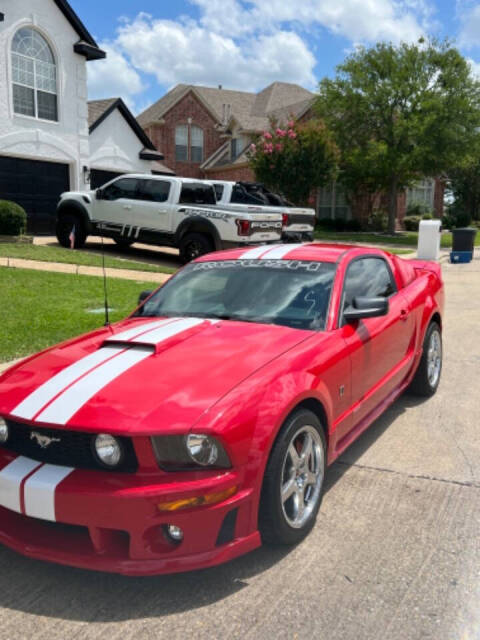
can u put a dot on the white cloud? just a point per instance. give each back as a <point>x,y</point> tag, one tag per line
<point>356,20</point>
<point>113,77</point>
<point>475,67</point>
<point>247,44</point>
<point>470,32</point>
<point>188,52</point>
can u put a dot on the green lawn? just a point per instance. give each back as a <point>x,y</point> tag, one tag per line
<point>59,254</point>
<point>406,239</point>
<point>40,308</point>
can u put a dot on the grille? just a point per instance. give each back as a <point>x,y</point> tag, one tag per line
<point>74,449</point>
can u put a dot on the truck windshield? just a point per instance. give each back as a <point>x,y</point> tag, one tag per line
<point>292,293</point>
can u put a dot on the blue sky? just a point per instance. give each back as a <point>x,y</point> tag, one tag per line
<point>246,44</point>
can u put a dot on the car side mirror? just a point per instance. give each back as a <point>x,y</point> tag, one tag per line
<point>99,194</point>
<point>366,308</point>
<point>143,296</point>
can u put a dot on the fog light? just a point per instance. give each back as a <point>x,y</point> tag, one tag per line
<point>108,449</point>
<point>175,533</point>
<point>3,431</point>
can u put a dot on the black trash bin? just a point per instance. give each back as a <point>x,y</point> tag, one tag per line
<point>463,239</point>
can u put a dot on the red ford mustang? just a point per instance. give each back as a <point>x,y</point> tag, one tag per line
<point>204,423</point>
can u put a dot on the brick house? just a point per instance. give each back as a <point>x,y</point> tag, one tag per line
<point>205,132</point>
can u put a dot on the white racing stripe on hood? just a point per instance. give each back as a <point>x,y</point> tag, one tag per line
<point>139,330</point>
<point>168,331</point>
<point>70,401</point>
<point>33,403</point>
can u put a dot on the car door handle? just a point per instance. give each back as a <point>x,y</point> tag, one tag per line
<point>403,314</point>
<point>127,206</point>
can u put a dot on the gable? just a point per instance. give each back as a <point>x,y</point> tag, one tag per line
<point>86,46</point>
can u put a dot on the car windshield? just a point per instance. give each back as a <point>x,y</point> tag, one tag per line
<point>292,293</point>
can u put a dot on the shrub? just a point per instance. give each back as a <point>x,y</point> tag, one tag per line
<point>13,219</point>
<point>455,219</point>
<point>377,221</point>
<point>411,223</point>
<point>427,216</point>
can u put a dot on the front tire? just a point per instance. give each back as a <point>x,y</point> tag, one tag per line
<point>64,227</point>
<point>194,245</point>
<point>294,480</point>
<point>427,378</point>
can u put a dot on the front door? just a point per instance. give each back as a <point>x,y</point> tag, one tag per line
<point>116,208</point>
<point>380,348</point>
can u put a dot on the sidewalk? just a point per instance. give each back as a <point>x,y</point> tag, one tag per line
<point>60,267</point>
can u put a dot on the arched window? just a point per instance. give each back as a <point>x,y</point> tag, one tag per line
<point>181,143</point>
<point>196,143</point>
<point>34,76</point>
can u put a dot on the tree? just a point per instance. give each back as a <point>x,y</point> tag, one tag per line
<point>464,184</point>
<point>400,113</point>
<point>296,159</point>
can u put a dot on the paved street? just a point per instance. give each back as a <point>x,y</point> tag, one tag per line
<point>395,553</point>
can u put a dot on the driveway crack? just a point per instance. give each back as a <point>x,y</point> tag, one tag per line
<point>472,484</point>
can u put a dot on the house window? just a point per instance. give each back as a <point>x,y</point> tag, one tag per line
<point>181,143</point>
<point>196,138</point>
<point>421,195</point>
<point>233,148</point>
<point>332,203</point>
<point>34,76</point>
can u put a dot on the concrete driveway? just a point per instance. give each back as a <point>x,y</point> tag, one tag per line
<point>395,553</point>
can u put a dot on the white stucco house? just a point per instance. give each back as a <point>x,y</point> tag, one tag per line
<point>118,144</point>
<point>48,141</point>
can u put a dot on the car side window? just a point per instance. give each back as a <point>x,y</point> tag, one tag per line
<point>369,278</point>
<point>197,193</point>
<point>122,188</point>
<point>154,190</point>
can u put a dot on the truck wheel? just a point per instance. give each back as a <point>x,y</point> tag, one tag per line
<point>65,225</point>
<point>427,377</point>
<point>124,242</point>
<point>194,245</point>
<point>294,480</point>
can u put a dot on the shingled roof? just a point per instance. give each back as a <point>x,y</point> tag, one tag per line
<point>251,110</point>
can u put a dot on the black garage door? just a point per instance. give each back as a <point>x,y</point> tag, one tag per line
<point>98,177</point>
<point>36,186</point>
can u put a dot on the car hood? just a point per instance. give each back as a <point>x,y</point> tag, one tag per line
<point>141,376</point>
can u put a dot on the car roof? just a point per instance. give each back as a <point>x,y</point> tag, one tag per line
<point>312,251</point>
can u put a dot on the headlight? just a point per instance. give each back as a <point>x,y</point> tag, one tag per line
<point>194,450</point>
<point>3,431</point>
<point>108,449</point>
<point>202,449</point>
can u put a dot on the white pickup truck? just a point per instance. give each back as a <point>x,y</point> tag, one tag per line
<point>298,223</point>
<point>164,211</point>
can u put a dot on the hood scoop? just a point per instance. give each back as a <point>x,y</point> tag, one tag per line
<point>159,334</point>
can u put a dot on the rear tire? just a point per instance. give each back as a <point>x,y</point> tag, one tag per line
<point>427,378</point>
<point>294,480</point>
<point>65,225</point>
<point>194,245</point>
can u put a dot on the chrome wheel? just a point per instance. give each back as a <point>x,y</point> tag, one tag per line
<point>434,358</point>
<point>302,476</point>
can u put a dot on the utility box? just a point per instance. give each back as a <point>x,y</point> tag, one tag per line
<point>429,240</point>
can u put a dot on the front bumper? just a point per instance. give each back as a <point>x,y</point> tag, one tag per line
<point>111,522</point>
